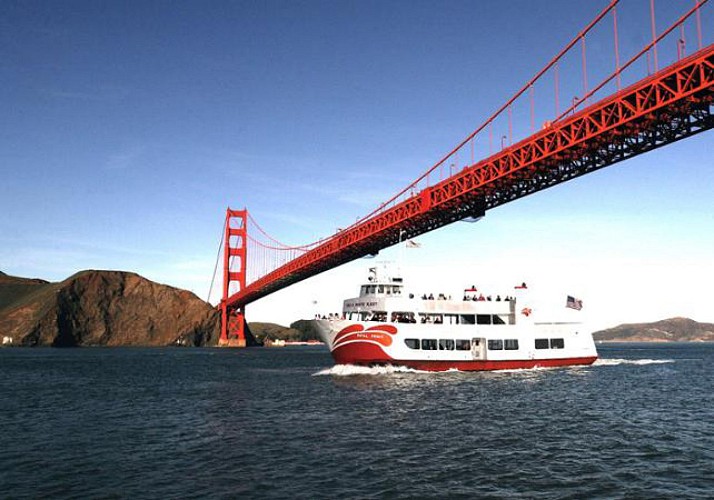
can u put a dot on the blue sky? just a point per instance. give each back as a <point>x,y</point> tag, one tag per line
<point>128,127</point>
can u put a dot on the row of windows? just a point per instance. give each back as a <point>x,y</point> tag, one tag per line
<point>465,345</point>
<point>499,345</point>
<point>375,289</point>
<point>435,318</point>
<point>549,343</point>
<point>441,344</point>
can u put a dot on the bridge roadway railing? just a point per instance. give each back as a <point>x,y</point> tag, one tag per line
<point>665,107</point>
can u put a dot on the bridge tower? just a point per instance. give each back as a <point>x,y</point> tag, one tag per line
<point>234,252</point>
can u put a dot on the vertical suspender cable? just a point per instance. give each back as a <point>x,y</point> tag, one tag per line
<point>490,138</point>
<point>585,67</point>
<point>557,90</point>
<point>654,35</point>
<point>699,22</point>
<point>532,110</point>
<point>617,47</point>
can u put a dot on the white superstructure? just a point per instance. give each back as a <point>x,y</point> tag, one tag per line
<point>386,324</point>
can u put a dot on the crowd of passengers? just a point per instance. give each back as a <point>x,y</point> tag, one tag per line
<point>488,298</point>
<point>468,297</point>
<point>330,316</point>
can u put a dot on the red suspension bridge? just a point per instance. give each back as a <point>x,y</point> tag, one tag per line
<point>669,96</point>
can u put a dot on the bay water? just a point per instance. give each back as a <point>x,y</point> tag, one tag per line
<point>287,423</point>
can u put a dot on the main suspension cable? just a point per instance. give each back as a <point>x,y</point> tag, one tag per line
<point>218,258</point>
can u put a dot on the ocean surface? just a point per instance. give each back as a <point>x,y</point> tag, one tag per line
<point>285,423</point>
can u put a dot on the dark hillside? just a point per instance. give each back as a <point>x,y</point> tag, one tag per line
<point>13,289</point>
<point>103,308</point>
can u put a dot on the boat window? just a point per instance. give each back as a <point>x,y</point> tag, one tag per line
<point>396,290</point>
<point>428,344</point>
<point>510,344</point>
<point>363,290</point>
<point>431,318</point>
<point>451,319</point>
<point>468,319</point>
<point>497,320</point>
<point>380,289</point>
<point>541,343</point>
<point>483,319</point>
<point>557,344</point>
<point>463,345</point>
<point>378,316</point>
<point>412,343</point>
<point>403,317</point>
<point>495,345</point>
<point>446,345</point>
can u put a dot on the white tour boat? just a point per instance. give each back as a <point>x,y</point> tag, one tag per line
<point>387,326</point>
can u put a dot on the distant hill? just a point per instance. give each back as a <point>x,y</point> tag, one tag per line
<point>299,331</point>
<point>103,308</point>
<point>668,330</point>
<point>272,331</point>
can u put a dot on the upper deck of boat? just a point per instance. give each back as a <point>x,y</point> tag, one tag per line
<point>384,298</point>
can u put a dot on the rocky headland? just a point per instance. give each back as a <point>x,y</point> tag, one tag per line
<point>668,330</point>
<point>103,308</point>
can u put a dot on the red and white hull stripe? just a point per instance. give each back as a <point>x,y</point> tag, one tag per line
<point>356,344</point>
<point>368,354</point>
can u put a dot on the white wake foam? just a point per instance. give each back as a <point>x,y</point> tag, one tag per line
<point>617,362</point>
<point>348,370</point>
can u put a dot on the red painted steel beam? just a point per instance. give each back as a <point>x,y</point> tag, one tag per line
<point>668,106</point>
<point>234,247</point>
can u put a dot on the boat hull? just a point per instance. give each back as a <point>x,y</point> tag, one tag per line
<point>369,344</point>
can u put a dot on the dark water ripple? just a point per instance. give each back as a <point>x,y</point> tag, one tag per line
<point>173,423</point>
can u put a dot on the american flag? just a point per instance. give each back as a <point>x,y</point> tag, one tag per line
<point>574,303</point>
